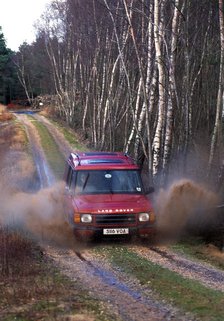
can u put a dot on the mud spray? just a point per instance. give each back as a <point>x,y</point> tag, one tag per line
<point>40,214</point>
<point>185,205</point>
<point>23,207</point>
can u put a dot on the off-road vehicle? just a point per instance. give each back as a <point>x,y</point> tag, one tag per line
<point>105,196</point>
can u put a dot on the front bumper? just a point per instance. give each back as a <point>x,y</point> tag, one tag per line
<point>91,232</point>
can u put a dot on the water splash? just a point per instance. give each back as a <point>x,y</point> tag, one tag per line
<point>41,214</point>
<point>185,204</point>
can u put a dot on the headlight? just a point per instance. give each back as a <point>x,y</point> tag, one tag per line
<point>86,218</point>
<point>143,217</point>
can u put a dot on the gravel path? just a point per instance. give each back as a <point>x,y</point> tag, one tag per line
<point>63,145</point>
<point>123,296</point>
<point>204,273</point>
<point>44,172</point>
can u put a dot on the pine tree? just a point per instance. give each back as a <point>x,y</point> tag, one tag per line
<point>6,71</point>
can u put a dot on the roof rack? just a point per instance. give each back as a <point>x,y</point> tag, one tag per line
<point>75,155</point>
<point>81,158</point>
<point>105,161</point>
<point>100,153</point>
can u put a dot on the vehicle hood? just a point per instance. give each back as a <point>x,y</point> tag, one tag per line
<point>111,203</point>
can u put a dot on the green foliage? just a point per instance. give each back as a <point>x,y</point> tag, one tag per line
<point>7,71</point>
<point>33,68</point>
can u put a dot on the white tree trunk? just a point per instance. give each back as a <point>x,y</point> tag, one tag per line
<point>172,88</point>
<point>219,105</point>
<point>157,142</point>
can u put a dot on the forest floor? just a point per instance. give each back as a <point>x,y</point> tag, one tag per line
<point>108,280</point>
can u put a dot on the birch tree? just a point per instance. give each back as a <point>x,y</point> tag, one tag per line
<point>158,35</point>
<point>217,131</point>
<point>140,76</point>
<point>23,75</point>
<point>172,89</point>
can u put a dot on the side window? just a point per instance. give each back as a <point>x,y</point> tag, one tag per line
<point>73,180</point>
<point>69,177</point>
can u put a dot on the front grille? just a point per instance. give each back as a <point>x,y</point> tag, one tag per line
<point>115,219</point>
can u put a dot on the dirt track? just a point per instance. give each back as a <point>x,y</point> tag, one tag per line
<point>123,296</point>
<point>44,172</point>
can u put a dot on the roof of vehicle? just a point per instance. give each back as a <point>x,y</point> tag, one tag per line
<point>101,160</point>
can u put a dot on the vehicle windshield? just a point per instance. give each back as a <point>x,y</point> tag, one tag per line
<point>108,182</point>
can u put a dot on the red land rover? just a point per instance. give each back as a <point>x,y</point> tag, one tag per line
<point>105,196</point>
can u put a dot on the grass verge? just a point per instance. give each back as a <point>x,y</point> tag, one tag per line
<point>54,157</point>
<point>70,136</point>
<point>189,295</point>
<point>196,248</point>
<point>33,289</point>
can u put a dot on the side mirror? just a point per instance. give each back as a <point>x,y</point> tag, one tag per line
<point>68,191</point>
<point>149,190</point>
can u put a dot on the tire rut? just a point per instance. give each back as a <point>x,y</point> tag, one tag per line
<point>124,297</point>
<point>45,175</point>
<point>201,272</point>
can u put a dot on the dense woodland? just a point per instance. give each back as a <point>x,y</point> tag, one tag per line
<point>142,76</point>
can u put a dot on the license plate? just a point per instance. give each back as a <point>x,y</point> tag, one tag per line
<point>115,231</point>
